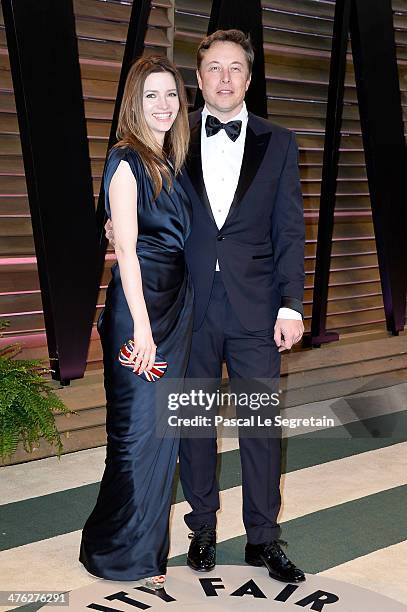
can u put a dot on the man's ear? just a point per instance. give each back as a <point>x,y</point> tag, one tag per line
<point>248,81</point>
<point>198,78</point>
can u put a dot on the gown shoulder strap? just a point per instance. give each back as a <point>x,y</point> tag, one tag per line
<point>115,156</point>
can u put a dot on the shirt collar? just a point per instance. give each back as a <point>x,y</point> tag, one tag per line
<point>242,116</point>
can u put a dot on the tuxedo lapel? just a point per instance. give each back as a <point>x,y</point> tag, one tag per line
<point>194,167</point>
<point>254,150</point>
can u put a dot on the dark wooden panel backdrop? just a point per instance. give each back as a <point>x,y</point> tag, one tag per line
<point>297,42</point>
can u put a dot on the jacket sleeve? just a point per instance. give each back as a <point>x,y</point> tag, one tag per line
<point>288,232</point>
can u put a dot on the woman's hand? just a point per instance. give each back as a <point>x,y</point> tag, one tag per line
<point>144,348</point>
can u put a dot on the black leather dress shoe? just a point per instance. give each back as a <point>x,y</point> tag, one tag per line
<point>271,555</point>
<point>202,550</point>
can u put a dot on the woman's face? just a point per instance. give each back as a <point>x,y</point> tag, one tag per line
<point>160,103</point>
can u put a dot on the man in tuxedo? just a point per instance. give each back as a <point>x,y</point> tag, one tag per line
<point>245,253</point>
<point>246,257</point>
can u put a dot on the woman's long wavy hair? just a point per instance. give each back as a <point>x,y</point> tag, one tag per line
<point>133,131</point>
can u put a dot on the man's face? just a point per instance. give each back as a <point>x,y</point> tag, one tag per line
<point>224,79</point>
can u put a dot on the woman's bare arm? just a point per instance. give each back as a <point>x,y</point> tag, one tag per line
<point>123,206</point>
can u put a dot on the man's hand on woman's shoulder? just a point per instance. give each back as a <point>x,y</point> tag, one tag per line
<point>109,232</point>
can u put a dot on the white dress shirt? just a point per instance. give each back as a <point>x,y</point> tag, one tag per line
<point>221,166</point>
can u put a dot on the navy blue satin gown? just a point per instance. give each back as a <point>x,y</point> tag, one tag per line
<point>126,536</point>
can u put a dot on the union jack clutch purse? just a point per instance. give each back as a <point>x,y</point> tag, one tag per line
<point>157,371</point>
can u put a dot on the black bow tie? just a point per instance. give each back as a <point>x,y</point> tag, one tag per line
<point>232,128</point>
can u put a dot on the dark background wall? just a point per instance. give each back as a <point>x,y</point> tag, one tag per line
<point>297,42</point>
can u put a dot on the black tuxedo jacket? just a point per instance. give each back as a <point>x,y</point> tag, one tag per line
<point>260,247</point>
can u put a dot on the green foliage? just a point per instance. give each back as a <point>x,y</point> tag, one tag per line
<point>27,403</point>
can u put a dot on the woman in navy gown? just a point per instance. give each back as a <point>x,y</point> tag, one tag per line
<point>149,299</point>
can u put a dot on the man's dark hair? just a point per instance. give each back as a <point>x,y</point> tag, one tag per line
<point>234,36</point>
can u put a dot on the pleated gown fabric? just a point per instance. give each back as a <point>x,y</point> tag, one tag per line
<point>126,535</point>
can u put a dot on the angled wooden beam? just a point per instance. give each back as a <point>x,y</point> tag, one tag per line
<point>47,85</point>
<point>381,117</point>
<point>370,23</point>
<point>69,238</point>
<point>333,123</point>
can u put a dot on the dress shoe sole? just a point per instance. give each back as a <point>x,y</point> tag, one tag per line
<point>200,569</point>
<point>261,563</point>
